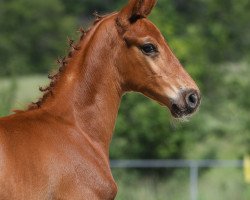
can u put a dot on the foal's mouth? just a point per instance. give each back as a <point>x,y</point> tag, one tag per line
<point>178,112</point>
<point>186,105</point>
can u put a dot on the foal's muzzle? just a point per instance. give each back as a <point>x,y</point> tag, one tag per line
<point>186,104</point>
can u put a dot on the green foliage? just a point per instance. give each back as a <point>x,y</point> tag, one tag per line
<point>32,35</point>
<point>143,131</point>
<point>87,7</point>
<point>205,31</point>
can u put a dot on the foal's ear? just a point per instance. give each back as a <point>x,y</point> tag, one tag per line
<point>134,10</point>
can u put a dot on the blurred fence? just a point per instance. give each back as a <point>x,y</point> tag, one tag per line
<point>193,165</point>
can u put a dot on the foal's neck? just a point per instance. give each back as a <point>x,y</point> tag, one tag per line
<point>88,91</point>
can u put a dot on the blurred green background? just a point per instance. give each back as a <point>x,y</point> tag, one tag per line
<point>212,40</point>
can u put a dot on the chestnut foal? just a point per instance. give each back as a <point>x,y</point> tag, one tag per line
<point>59,147</point>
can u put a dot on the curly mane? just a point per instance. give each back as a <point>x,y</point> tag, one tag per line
<point>63,62</point>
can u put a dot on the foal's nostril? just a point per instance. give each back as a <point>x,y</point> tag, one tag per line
<point>192,100</point>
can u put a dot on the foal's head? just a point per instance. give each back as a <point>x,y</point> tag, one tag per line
<point>147,64</point>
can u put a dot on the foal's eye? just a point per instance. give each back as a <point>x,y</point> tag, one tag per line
<point>148,49</point>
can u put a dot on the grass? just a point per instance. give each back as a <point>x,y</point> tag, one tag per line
<point>220,184</point>
<point>133,186</point>
<point>27,89</point>
<point>216,184</point>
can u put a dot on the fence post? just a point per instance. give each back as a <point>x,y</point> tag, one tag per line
<point>194,173</point>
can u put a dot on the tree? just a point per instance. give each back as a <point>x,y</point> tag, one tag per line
<point>32,35</point>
